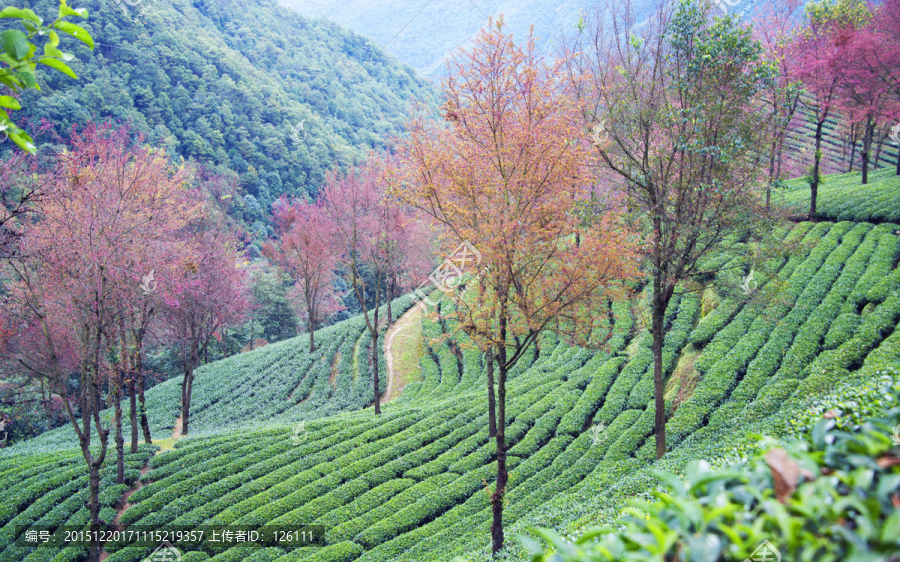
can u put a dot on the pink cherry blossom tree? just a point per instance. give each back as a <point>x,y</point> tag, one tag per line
<point>302,251</point>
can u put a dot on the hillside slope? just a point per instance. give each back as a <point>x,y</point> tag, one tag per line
<point>843,197</point>
<point>409,485</point>
<point>228,82</point>
<point>274,384</point>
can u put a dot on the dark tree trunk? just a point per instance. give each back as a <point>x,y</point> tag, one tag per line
<point>771,172</point>
<point>661,296</point>
<point>502,475</point>
<point>898,161</point>
<point>866,150</point>
<point>492,408</point>
<point>852,155</point>
<point>186,387</point>
<point>142,406</point>
<point>878,150</point>
<point>814,187</point>
<point>88,405</point>
<point>312,336</point>
<point>778,161</point>
<point>225,344</point>
<point>132,412</point>
<point>94,507</point>
<point>91,406</point>
<point>390,297</point>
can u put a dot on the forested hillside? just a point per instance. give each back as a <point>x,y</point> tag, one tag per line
<point>228,83</point>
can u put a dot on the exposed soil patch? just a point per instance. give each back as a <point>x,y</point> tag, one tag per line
<point>176,431</point>
<point>334,369</point>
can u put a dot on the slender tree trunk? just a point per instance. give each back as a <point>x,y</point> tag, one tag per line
<point>184,378</point>
<point>115,392</point>
<point>132,411</point>
<point>866,150</point>
<point>771,172</point>
<point>124,378</point>
<point>898,162</point>
<point>660,302</point>
<point>390,297</point>
<point>94,508</point>
<point>779,160</point>
<point>142,406</point>
<point>492,412</point>
<point>94,464</point>
<point>375,362</point>
<point>852,155</point>
<point>312,337</point>
<point>120,439</point>
<point>814,187</point>
<point>186,397</point>
<point>225,344</point>
<point>502,475</point>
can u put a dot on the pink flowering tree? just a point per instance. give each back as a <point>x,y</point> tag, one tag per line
<point>372,241</point>
<point>207,291</point>
<point>302,251</point>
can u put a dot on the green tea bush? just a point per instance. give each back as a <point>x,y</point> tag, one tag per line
<point>831,498</point>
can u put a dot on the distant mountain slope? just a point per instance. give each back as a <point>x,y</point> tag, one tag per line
<point>424,34</point>
<point>228,82</point>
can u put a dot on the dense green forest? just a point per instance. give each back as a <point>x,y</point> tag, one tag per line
<point>229,83</point>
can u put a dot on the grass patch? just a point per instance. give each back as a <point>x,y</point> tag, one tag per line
<point>407,350</point>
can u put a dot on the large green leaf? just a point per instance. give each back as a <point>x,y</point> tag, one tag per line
<point>65,10</point>
<point>15,43</point>
<point>52,51</point>
<point>26,75</point>
<point>21,13</point>
<point>10,102</point>
<point>60,66</point>
<point>77,32</point>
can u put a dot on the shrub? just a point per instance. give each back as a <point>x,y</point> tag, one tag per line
<point>842,509</point>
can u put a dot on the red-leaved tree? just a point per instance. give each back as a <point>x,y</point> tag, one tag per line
<point>368,228</point>
<point>77,271</point>
<point>506,174</point>
<point>302,251</point>
<point>818,53</point>
<point>206,292</point>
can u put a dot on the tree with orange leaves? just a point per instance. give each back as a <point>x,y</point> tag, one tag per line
<point>507,177</point>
